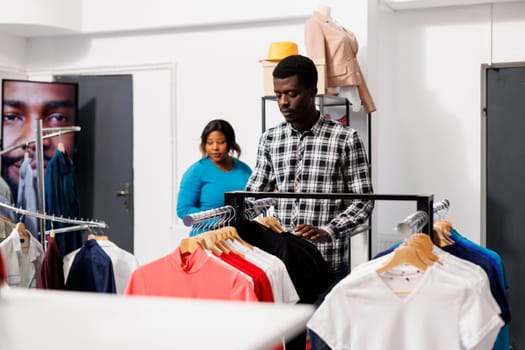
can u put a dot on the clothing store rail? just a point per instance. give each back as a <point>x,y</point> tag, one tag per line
<point>441,206</point>
<point>416,221</point>
<point>88,223</point>
<point>54,132</point>
<point>226,212</point>
<point>255,207</point>
<point>237,199</point>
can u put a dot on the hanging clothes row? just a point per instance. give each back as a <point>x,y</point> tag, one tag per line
<point>82,269</point>
<point>311,273</point>
<point>23,253</point>
<point>420,284</point>
<point>216,257</point>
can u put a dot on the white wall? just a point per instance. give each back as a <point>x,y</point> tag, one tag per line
<point>422,66</point>
<point>428,130</point>
<point>217,74</point>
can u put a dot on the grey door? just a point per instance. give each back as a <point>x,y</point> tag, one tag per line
<point>506,184</point>
<point>104,153</point>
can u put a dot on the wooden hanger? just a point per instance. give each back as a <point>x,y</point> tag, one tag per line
<point>22,230</point>
<point>97,237</point>
<point>25,235</point>
<point>206,243</point>
<point>231,232</point>
<point>423,242</point>
<point>61,148</point>
<point>188,245</point>
<point>271,222</point>
<point>403,254</point>
<point>441,233</point>
<point>218,238</point>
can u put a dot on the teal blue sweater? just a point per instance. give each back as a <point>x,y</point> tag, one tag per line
<point>203,185</point>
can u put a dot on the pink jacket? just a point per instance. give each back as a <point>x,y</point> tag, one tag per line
<point>327,40</point>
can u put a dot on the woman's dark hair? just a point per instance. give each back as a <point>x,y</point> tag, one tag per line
<point>226,129</point>
<point>299,65</point>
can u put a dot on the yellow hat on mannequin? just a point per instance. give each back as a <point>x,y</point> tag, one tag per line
<point>281,49</point>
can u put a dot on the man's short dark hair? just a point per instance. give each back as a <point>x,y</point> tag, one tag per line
<point>299,65</point>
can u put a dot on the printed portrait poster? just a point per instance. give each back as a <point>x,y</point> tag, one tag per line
<point>23,104</point>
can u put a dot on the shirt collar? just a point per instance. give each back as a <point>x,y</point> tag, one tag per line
<point>314,130</point>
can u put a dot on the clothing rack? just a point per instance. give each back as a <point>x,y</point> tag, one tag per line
<point>39,137</point>
<point>417,220</point>
<point>236,199</point>
<point>424,203</point>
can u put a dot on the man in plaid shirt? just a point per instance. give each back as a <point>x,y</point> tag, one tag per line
<point>309,153</point>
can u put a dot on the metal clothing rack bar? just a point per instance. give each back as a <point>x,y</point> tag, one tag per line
<point>257,206</point>
<point>69,229</point>
<point>237,198</point>
<point>90,223</point>
<point>262,203</point>
<point>57,132</point>
<point>413,223</point>
<point>416,221</point>
<point>40,181</point>
<point>441,206</point>
<point>195,218</point>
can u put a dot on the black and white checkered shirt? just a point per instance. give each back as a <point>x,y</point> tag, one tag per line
<point>328,158</point>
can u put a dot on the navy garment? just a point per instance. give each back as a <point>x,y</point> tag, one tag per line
<point>91,270</point>
<point>61,198</point>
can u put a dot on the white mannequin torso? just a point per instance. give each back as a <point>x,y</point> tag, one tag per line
<point>325,10</point>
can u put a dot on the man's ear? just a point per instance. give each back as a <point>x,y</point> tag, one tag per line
<point>313,91</point>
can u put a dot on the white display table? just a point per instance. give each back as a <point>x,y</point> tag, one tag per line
<point>55,320</point>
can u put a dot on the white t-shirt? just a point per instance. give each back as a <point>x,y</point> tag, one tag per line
<point>442,311</point>
<point>283,289</point>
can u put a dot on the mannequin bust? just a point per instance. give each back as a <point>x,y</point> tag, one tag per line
<point>349,92</point>
<point>328,40</point>
<point>325,10</point>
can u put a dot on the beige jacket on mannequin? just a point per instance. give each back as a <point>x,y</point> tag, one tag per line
<point>338,46</point>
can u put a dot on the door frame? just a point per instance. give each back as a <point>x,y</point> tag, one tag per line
<point>484,68</point>
<point>171,239</point>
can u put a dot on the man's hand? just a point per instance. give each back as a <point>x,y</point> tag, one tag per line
<point>313,233</point>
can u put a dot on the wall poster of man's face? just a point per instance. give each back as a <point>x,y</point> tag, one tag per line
<point>23,103</point>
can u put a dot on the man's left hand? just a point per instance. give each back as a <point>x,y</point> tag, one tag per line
<point>313,233</point>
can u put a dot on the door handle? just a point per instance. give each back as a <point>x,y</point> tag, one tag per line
<point>125,193</point>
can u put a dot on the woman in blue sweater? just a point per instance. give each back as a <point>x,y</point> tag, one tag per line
<point>203,185</point>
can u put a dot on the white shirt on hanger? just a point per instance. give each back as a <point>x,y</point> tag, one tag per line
<point>23,264</point>
<point>362,312</point>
